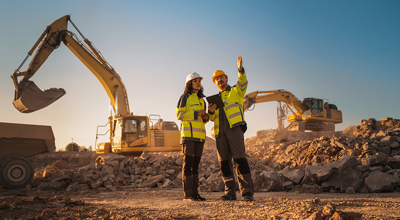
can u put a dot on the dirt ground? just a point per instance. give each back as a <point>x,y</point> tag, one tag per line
<point>168,204</point>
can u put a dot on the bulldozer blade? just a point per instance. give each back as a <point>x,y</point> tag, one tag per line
<point>33,98</point>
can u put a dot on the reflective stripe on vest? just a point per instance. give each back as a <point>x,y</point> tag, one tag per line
<point>242,86</point>
<point>233,105</point>
<point>192,129</point>
<point>181,114</point>
<point>234,113</point>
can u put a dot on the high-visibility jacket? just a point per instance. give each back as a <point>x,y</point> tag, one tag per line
<point>232,98</point>
<point>192,127</point>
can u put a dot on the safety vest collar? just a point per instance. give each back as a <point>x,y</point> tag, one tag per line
<point>199,95</point>
<point>228,88</point>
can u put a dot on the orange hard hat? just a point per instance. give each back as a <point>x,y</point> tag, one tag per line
<point>218,73</point>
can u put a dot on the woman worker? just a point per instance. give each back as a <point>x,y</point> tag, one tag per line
<point>191,111</point>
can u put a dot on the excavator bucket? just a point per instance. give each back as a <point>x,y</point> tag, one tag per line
<point>33,98</point>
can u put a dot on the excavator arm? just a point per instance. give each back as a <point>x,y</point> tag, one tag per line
<point>29,98</point>
<point>110,80</point>
<point>280,95</point>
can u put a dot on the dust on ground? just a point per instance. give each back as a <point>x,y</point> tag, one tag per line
<point>168,204</point>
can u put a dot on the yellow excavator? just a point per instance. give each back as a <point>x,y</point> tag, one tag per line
<point>310,114</point>
<point>128,133</point>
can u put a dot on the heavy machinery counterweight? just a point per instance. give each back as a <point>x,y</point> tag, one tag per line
<point>128,133</point>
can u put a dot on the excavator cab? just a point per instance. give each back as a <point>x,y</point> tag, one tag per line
<point>134,134</point>
<point>135,131</point>
<point>312,105</point>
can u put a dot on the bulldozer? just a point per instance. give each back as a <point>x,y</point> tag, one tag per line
<point>311,114</point>
<point>128,133</point>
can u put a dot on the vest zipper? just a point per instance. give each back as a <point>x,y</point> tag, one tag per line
<point>191,130</point>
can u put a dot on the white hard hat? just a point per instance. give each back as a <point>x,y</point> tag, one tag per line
<point>193,75</point>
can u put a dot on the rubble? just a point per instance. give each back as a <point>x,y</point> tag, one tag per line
<point>361,159</point>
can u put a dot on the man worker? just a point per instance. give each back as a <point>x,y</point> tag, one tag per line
<point>229,128</point>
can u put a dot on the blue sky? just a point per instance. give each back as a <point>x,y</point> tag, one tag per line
<point>345,51</point>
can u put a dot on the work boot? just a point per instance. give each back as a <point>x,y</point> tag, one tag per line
<point>189,198</point>
<point>248,197</point>
<point>227,197</point>
<point>197,197</point>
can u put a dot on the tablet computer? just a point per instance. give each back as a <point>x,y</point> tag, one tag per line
<point>215,99</point>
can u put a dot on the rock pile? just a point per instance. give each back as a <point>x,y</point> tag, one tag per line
<point>112,171</point>
<point>363,158</point>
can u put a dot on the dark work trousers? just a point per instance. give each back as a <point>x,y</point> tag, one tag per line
<point>192,151</point>
<point>230,145</point>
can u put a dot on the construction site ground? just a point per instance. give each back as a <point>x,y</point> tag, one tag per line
<point>168,204</point>
<point>290,172</point>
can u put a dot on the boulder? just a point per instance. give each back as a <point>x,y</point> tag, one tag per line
<point>386,141</point>
<point>345,162</point>
<point>167,184</point>
<point>378,181</point>
<point>214,183</point>
<point>396,176</point>
<point>343,180</point>
<point>267,181</point>
<point>317,173</point>
<point>293,175</point>
<point>377,159</point>
<point>152,181</point>
<point>394,162</point>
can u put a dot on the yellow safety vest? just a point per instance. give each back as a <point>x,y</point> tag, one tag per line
<point>233,100</point>
<point>192,128</point>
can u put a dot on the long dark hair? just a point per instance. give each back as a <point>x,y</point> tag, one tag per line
<point>189,89</point>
